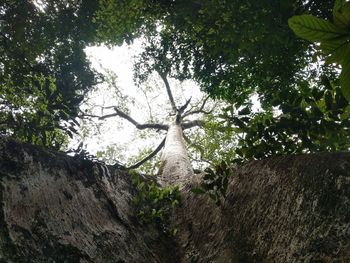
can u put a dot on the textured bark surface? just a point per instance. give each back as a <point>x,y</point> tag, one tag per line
<point>175,165</point>
<point>282,209</point>
<point>55,208</point>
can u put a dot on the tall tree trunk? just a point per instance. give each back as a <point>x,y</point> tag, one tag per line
<point>175,167</point>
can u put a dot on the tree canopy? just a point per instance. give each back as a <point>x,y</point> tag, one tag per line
<point>44,71</point>
<point>234,50</point>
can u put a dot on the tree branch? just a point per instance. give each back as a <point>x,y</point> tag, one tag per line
<point>200,110</point>
<point>150,156</point>
<point>125,116</point>
<point>181,110</point>
<point>168,90</point>
<point>191,124</point>
<point>139,126</point>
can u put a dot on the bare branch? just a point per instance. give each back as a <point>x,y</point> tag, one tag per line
<point>123,115</point>
<point>181,110</point>
<point>105,107</point>
<point>156,126</point>
<point>168,89</point>
<point>108,116</point>
<point>200,110</point>
<point>139,126</point>
<point>148,103</point>
<point>82,115</point>
<point>150,156</point>
<point>191,124</point>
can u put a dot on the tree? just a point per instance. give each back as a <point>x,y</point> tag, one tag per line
<point>231,48</point>
<point>57,208</point>
<point>175,165</point>
<point>333,38</point>
<point>233,55</point>
<point>44,72</point>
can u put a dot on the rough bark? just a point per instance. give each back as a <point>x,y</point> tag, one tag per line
<point>175,165</point>
<point>55,208</point>
<point>282,209</point>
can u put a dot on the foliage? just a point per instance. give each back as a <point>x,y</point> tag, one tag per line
<point>235,49</point>
<point>44,40</point>
<point>211,144</point>
<point>333,37</point>
<point>154,203</point>
<point>310,119</point>
<point>35,118</point>
<point>231,48</point>
<point>215,182</point>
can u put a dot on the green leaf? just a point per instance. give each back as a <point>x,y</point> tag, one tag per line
<point>345,80</point>
<point>328,100</point>
<point>330,46</point>
<point>315,29</point>
<point>338,53</point>
<point>341,14</point>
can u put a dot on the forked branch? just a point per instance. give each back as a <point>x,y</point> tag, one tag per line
<point>199,110</point>
<point>125,116</point>
<point>181,110</point>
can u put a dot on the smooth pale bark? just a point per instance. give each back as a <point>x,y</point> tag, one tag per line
<point>175,165</point>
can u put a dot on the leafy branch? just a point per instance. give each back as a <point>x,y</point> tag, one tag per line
<point>154,204</point>
<point>215,182</point>
<point>334,38</point>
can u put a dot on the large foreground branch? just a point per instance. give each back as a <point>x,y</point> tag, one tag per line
<point>150,156</point>
<point>139,126</point>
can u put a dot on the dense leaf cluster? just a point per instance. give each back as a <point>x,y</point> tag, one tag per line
<point>315,120</point>
<point>153,203</point>
<point>44,72</point>
<point>215,182</point>
<point>232,48</point>
<point>333,38</point>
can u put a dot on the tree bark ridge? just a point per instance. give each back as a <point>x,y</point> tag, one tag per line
<point>56,208</point>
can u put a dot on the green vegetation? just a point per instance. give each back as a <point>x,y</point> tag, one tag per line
<point>333,38</point>
<point>44,72</point>
<point>215,182</point>
<point>235,50</point>
<point>153,203</point>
